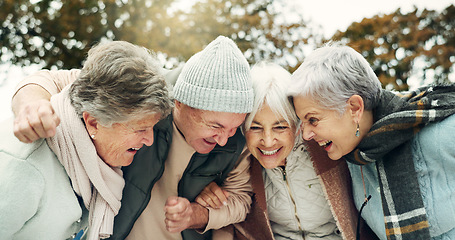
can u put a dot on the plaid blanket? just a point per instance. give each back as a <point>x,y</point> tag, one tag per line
<point>397,119</point>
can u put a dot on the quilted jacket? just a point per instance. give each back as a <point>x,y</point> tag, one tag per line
<point>333,177</point>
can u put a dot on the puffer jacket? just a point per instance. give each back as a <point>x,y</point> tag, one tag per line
<point>296,203</point>
<point>335,180</point>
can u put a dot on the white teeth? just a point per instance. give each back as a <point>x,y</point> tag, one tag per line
<point>269,152</point>
<point>135,149</point>
<point>325,143</point>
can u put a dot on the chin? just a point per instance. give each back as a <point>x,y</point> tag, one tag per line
<point>335,158</point>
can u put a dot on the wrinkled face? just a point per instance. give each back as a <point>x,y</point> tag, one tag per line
<point>203,130</point>
<point>335,133</point>
<point>270,138</point>
<point>118,144</point>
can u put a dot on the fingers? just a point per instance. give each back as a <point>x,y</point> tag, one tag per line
<point>214,195</point>
<point>177,214</point>
<point>36,120</point>
<point>208,200</point>
<point>221,198</point>
<point>202,202</point>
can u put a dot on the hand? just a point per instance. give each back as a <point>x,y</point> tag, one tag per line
<point>178,213</point>
<point>35,120</point>
<point>212,196</point>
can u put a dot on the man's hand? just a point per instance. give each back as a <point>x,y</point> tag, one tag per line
<point>34,116</point>
<point>181,215</point>
<point>212,196</point>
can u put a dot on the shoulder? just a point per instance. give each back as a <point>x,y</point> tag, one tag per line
<point>438,132</point>
<point>22,188</point>
<point>12,147</point>
<point>16,164</point>
<point>435,140</point>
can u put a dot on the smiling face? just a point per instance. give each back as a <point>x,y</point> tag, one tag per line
<point>118,144</point>
<point>270,138</point>
<point>334,132</point>
<point>202,129</point>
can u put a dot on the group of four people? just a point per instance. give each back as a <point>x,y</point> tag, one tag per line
<point>235,138</point>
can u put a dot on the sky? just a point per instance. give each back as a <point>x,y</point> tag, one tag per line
<point>331,15</point>
<point>335,15</point>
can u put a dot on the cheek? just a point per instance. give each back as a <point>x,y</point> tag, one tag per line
<point>252,142</point>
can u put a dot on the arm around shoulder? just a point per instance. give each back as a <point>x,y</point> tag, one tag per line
<point>34,116</point>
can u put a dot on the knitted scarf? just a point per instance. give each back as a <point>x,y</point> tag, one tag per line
<point>396,121</point>
<point>99,185</point>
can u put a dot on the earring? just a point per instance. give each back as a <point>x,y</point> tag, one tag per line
<point>357,132</point>
<point>92,136</point>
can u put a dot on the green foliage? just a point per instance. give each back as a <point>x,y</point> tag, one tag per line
<point>398,45</point>
<point>60,32</point>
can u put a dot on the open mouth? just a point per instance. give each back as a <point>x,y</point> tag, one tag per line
<point>325,144</point>
<point>133,150</point>
<point>209,142</point>
<point>269,153</point>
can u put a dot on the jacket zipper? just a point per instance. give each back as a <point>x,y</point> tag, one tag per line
<point>283,171</point>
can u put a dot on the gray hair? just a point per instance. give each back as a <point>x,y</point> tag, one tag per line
<point>270,83</point>
<point>119,82</point>
<point>332,74</point>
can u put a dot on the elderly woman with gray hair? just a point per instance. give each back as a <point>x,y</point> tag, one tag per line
<point>71,184</point>
<point>399,145</point>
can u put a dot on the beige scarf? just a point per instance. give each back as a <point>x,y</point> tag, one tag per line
<point>99,185</point>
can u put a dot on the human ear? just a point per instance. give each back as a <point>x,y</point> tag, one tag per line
<point>356,107</point>
<point>178,105</point>
<point>90,123</point>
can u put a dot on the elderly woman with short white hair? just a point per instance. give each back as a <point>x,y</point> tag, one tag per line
<point>400,146</point>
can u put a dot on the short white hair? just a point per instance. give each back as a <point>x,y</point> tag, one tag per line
<point>270,84</point>
<point>331,74</point>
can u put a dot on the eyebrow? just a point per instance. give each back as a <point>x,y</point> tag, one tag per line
<point>217,124</point>
<point>275,123</point>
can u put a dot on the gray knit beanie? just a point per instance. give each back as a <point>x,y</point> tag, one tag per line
<point>216,79</point>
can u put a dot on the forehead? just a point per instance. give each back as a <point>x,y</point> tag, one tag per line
<point>266,114</point>
<point>303,102</point>
<point>146,120</point>
<point>305,105</point>
<point>224,119</point>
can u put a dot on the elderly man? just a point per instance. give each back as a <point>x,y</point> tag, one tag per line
<point>197,144</point>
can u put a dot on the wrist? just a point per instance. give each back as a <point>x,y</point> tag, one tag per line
<point>200,216</point>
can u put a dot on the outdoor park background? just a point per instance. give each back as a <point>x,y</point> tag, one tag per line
<point>408,43</point>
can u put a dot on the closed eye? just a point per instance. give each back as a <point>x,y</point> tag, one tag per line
<point>313,121</point>
<point>255,128</point>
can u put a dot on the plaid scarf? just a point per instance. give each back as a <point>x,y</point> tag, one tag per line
<point>397,119</point>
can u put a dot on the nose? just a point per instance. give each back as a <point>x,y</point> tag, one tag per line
<point>307,132</point>
<point>148,138</point>
<point>222,137</point>
<point>268,138</point>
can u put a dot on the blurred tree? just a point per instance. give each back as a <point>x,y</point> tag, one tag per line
<point>59,32</point>
<point>399,46</point>
<point>263,29</point>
